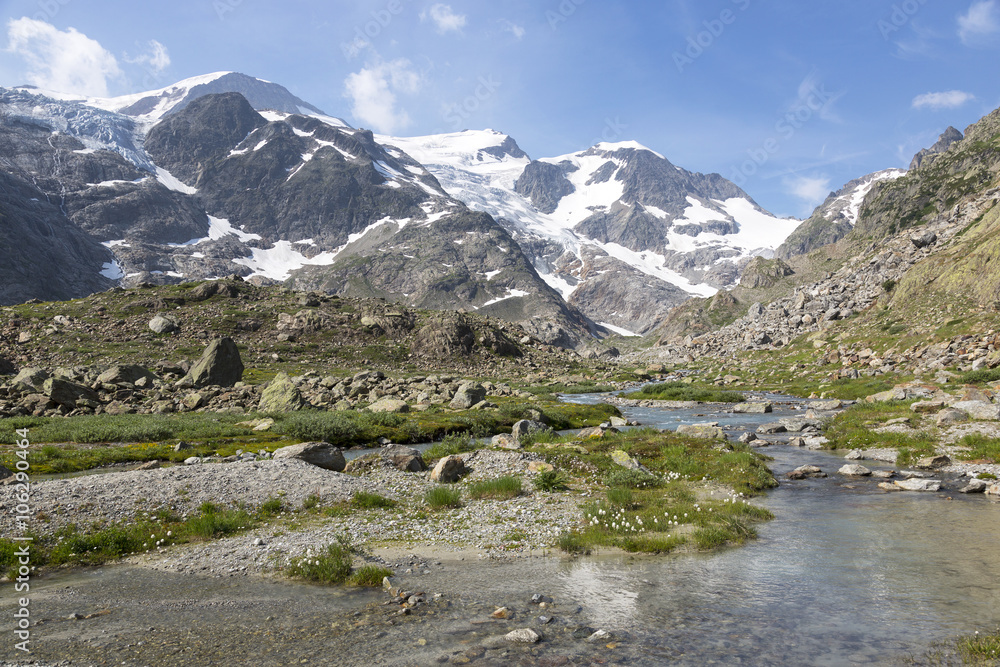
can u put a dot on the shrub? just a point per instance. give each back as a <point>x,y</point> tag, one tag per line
<point>311,501</point>
<point>981,376</point>
<point>442,497</point>
<point>889,285</point>
<point>331,567</point>
<point>631,479</point>
<point>271,507</point>
<point>369,575</point>
<point>551,480</point>
<point>453,444</point>
<point>370,501</point>
<point>503,488</point>
<point>573,543</point>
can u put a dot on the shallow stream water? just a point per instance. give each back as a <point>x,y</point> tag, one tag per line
<point>845,574</point>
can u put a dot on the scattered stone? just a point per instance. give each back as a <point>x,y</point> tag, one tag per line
<point>855,455</point>
<point>600,636</point>
<point>805,472</point>
<point>502,612</point>
<point>165,323</point>
<point>975,486</point>
<point>854,470</point>
<point>220,364</point>
<point>933,462</point>
<point>281,395</point>
<point>390,405</point>
<point>918,484</point>
<point>711,431</point>
<point>752,408</point>
<point>448,470</point>
<point>468,394</point>
<point>320,454</point>
<point>523,636</point>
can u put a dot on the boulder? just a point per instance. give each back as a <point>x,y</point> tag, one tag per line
<point>748,436</point>
<point>833,404</point>
<point>220,364</point>
<point>805,472</point>
<point>281,395</point>
<point>505,441</point>
<point>854,470</point>
<point>5,472</point>
<point>527,427</point>
<point>933,462</point>
<point>752,408</point>
<point>855,455</point>
<point>927,406</point>
<point>67,393</point>
<point>448,469</point>
<point>595,432</point>
<point>983,410</point>
<point>993,490</point>
<point>124,374</point>
<point>32,377</point>
<point>951,416</point>
<point>468,395</point>
<point>923,240</point>
<point>388,404</point>
<point>798,424</point>
<point>773,427</point>
<point>320,454</point>
<point>403,458</point>
<point>918,484</point>
<point>707,431</point>
<point>624,460</point>
<point>975,486</point>
<point>163,323</point>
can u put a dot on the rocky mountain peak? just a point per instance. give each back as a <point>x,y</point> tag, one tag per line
<point>944,142</point>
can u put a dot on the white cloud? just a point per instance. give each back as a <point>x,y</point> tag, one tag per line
<point>947,100</point>
<point>64,61</point>
<point>444,18</point>
<point>976,26</point>
<point>373,92</point>
<point>517,30</point>
<point>156,60</point>
<point>811,190</point>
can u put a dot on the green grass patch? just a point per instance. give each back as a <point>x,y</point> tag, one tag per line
<point>632,479</point>
<point>980,648</point>
<point>551,481</point>
<point>365,500</point>
<point>443,497</point>
<point>981,376</point>
<point>681,391</point>
<point>331,566</point>
<point>502,488</point>
<point>452,445</point>
<point>369,575</point>
<point>981,448</point>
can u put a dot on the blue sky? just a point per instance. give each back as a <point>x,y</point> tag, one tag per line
<point>790,99</point>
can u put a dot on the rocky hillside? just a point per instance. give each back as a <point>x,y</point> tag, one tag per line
<point>217,187</point>
<point>619,231</point>
<point>921,285</point>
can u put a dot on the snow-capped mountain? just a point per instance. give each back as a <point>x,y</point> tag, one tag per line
<point>836,216</point>
<point>183,183</point>
<point>617,229</point>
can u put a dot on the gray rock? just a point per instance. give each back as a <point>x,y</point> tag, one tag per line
<point>804,472</point>
<point>883,474</point>
<point>67,393</point>
<point>927,406</point>
<point>600,636</point>
<point>281,395</point>
<point>192,460</point>
<point>993,490</point>
<point>797,424</point>
<point>468,395</point>
<point>753,408</point>
<point>708,431</point>
<point>773,427</point>
<point>951,416</point>
<point>448,470</point>
<point>523,636</point>
<point>975,486</point>
<point>933,462</point>
<point>403,458</point>
<point>5,472</point>
<point>923,240</point>
<point>834,404</point>
<point>748,436</point>
<point>163,323</point>
<point>388,404</point>
<point>33,377</point>
<point>854,470</point>
<point>526,427</point>
<point>124,374</point>
<point>220,364</point>
<point>983,410</point>
<point>855,455</point>
<point>505,441</point>
<point>918,484</point>
<point>320,454</point>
